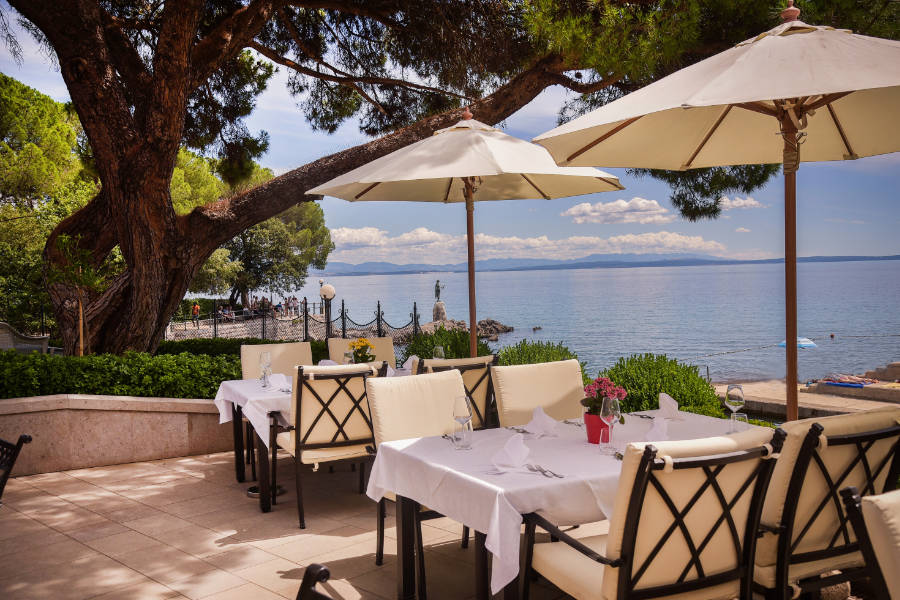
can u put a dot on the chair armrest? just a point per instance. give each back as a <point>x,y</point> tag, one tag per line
<point>570,541</point>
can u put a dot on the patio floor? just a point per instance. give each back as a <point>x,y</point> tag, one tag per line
<point>183,528</point>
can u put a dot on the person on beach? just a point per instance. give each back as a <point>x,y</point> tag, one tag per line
<point>195,314</point>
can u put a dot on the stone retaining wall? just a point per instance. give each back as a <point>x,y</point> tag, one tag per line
<point>73,431</point>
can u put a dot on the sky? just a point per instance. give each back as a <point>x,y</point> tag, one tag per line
<point>844,208</point>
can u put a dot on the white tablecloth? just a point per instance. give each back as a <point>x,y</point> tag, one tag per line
<point>459,484</point>
<point>255,401</point>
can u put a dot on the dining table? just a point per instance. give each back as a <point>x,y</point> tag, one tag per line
<point>565,479</point>
<point>240,399</point>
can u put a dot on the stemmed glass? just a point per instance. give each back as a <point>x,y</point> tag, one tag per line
<point>265,365</point>
<point>462,415</point>
<point>734,400</point>
<point>438,352</point>
<point>348,357</point>
<point>610,413</point>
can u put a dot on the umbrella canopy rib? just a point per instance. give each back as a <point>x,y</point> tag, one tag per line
<point>837,124</point>
<point>366,191</point>
<point>539,190</point>
<point>709,134</point>
<point>600,139</point>
<point>447,193</point>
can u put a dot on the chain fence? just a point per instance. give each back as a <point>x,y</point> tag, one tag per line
<point>297,324</point>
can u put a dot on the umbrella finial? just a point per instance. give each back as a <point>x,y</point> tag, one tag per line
<point>790,13</point>
<point>467,114</point>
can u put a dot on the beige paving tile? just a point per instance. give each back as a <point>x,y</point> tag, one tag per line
<point>147,589</point>
<point>144,481</point>
<point>20,526</point>
<point>240,558</point>
<point>248,591</point>
<point>165,564</point>
<point>108,474</point>
<point>352,561</point>
<point>43,557</point>
<point>315,544</point>
<point>156,524</point>
<point>196,540</point>
<point>122,543</point>
<point>67,517</point>
<point>100,530</point>
<point>202,505</point>
<point>207,584</point>
<point>342,589</point>
<point>38,538</point>
<point>280,576</point>
<point>135,510</point>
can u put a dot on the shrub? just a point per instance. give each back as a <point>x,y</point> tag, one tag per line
<point>645,376</point>
<point>231,346</point>
<point>529,352</point>
<point>455,343</point>
<point>131,374</point>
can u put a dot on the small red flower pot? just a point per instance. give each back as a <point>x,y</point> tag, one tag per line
<point>597,430</point>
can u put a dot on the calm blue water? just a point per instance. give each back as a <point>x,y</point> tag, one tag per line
<point>684,312</point>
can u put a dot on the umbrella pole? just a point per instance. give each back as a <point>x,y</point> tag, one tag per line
<point>791,164</point>
<point>470,238</point>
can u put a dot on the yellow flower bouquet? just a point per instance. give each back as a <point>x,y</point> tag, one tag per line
<point>362,351</point>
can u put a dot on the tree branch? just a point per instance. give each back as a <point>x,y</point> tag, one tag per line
<point>583,87</point>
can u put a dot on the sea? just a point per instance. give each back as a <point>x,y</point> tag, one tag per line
<point>726,319</point>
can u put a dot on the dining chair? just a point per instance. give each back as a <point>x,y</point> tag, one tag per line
<point>685,523</point>
<point>876,523</point>
<point>557,387</point>
<point>329,422</point>
<point>9,452</point>
<point>383,348</point>
<point>284,357</point>
<point>314,573</point>
<point>476,374</point>
<point>806,534</point>
<point>405,408</point>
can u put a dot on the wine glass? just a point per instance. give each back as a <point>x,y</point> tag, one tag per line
<point>438,352</point>
<point>610,413</point>
<point>265,363</point>
<point>741,421</point>
<point>348,357</point>
<point>734,400</point>
<point>462,415</point>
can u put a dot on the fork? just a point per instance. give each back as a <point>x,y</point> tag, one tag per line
<point>517,429</point>
<point>573,422</point>
<point>543,471</point>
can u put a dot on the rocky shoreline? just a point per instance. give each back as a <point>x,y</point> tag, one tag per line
<point>489,329</point>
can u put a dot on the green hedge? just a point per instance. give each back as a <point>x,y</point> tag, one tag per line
<point>645,376</point>
<point>528,352</point>
<point>230,346</point>
<point>131,374</point>
<point>455,343</point>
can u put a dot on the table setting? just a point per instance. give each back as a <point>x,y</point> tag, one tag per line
<point>545,466</point>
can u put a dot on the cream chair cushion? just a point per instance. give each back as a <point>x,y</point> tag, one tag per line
<point>284,358</point>
<point>555,386</point>
<point>882,516</point>
<point>836,458</point>
<point>383,349</point>
<point>471,378</point>
<point>323,430</point>
<point>586,579</point>
<point>412,407</point>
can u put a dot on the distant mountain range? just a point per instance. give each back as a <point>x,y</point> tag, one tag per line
<point>593,261</point>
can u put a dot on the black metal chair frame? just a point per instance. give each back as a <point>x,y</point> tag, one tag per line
<point>315,573</point>
<point>340,438</point>
<point>9,452</point>
<point>787,542</point>
<point>873,569</point>
<point>630,573</point>
<point>490,419</point>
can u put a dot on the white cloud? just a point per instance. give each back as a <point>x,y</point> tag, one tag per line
<point>728,204</point>
<point>742,230</point>
<point>636,210</point>
<point>421,245</point>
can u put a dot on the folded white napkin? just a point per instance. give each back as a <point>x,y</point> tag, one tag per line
<point>409,361</point>
<point>668,407</point>
<point>659,432</point>
<point>279,381</point>
<point>512,456</point>
<point>541,423</point>
<point>390,371</point>
<point>327,363</point>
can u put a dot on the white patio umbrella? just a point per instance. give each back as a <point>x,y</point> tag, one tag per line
<point>468,162</point>
<point>828,91</point>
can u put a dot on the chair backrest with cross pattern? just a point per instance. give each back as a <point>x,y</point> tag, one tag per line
<point>329,406</point>
<point>9,452</point>
<point>820,457</point>
<point>687,514</point>
<point>476,374</point>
